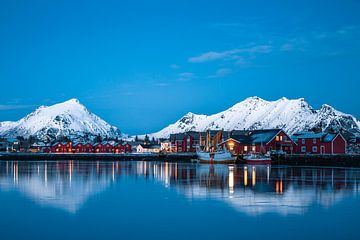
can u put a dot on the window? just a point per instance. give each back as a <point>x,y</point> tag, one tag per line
<point>285,138</point>
<point>253,149</point>
<point>303,140</point>
<point>281,138</point>
<point>245,148</point>
<point>314,141</point>
<point>303,149</point>
<point>277,138</point>
<point>314,148</point>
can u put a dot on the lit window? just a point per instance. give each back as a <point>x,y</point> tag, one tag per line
<point>245,148</point>
<point>277,138</point>
<point>231,145</point>
<point>253,149</point>
<point>281,138</point>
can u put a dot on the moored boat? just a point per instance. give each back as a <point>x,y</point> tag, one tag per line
<point>254,158</point>
<point>220,156</point>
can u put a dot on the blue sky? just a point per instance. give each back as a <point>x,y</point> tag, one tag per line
<point>141,65</point>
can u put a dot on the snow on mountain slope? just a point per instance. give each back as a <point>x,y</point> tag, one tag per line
<point>255,113</point>
<point>69,119</point>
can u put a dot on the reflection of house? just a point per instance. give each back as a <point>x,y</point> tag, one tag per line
<point>242,142</point>
<point>319,143</point>
<point>148,148</point>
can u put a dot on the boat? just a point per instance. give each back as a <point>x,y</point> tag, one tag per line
<point>212,153</point>
<point>255,158</point>
<point>220,156</point>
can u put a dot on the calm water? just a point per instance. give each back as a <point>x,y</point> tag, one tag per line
<point>150,200</point>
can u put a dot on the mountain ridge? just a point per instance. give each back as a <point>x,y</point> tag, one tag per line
<point>293,115</point>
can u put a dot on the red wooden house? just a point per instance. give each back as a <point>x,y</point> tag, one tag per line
<point>82,148</point>
<point>128,148</point>
<point>98,148</point>
<point>260,141</point>
<point>64,147</point>
<point>104,147</point>
<point>186,142</point>
<point>319,143</point>
<point>119,148</point>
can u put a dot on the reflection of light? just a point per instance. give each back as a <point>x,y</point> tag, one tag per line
<point>176,175</point>
<point>279,186</point>
<point>268,173</point>
<point>166,174</point>
<point>253,176</point>
<point>245,176</point>
<point>231,179</point>
<point>145,168</point>
<point>70,172</point>
<point>16,176</point>
<point>113,171</point>
<point>45,174</point>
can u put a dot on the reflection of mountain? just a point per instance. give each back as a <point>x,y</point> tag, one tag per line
<point>253,190</point>
<point>61,185</point>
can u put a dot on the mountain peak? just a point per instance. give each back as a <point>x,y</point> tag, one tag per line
<point>69,118</point>
<point>292,115</point>
<point>253,98</point>
<point>73,100</point>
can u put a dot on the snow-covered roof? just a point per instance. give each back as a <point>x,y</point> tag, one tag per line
<point>324,136</point>
<point>263,136</point>
<point>150,146</point>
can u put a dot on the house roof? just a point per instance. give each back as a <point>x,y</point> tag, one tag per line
<point>324,136</point>
<point>263,136</point>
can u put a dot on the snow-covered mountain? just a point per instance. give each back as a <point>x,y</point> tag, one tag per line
<point>255,113</point>
<point>70,119</point>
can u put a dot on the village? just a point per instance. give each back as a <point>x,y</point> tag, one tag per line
<point>238,142</point>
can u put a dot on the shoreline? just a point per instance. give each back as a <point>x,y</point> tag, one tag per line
<point>290,160</point>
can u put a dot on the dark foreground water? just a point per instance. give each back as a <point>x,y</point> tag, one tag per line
<point>150,200</point>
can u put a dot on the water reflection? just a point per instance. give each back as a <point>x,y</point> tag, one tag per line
<point>253,190</point>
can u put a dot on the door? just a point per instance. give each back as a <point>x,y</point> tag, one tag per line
<point>322,149</point>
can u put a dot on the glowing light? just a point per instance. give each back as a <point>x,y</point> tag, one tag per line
<point>231,145</point>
